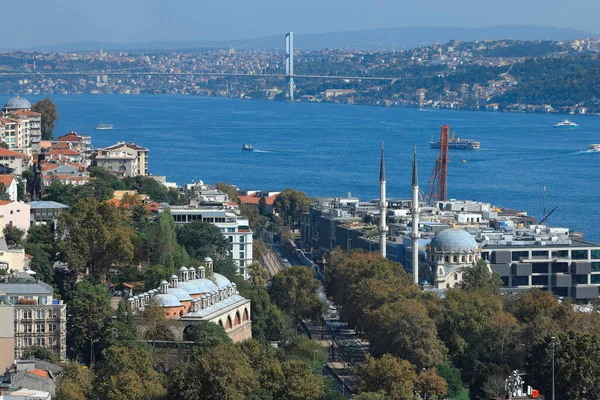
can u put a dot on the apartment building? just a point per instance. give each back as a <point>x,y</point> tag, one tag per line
<point>11,161</point>
<point>38,318</point>
<point>113,156</point>
<point>233,227</point>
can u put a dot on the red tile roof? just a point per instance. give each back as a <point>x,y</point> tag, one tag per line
<point>5,202</point>
<point>9,153</point>
<point>62,152</point>
<point>252,199</point>
<point>38,372</point>
<point>26,113</point>
<point>6,180</point>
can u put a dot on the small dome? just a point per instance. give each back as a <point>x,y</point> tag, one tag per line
<point>456,239</point>
<point>207,259</point>
<point>183,268</point>
<point>163,282</point>
<point>130,300</point>
<point>167,300</point>
<point>135,298</point>
<point>221,281</point>
<point>17,103</point>
<point>174,276</point>
<point>191,269</point>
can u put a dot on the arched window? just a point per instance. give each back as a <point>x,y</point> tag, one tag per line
<point>447,259</point>
<point>228,323</point>
<point>245,316</point>
<point>455,277</point>
<point>181,313</point>
<point>236,320</point>
<point>455,259</point>
<point>470,258</point>
<point>462,259</point>
<point>220,322</point>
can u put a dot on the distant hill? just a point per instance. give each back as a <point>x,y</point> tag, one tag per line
<point>391,38</point>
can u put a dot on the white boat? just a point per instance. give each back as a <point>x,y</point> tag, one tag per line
<point>247,147</point>
<point>105,127</point>
<point>457,143</point>
<point>566,124</point>
<point>593,147</point>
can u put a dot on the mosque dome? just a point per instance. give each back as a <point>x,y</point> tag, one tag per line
<point>167,300</point>
<point>221,281</point>
<point>180,294</point>
<point>17,103</point>
<point>454,239</point>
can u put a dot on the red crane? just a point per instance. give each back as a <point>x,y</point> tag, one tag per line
<point>437,189</point>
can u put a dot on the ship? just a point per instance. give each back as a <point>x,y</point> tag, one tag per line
<point>247,147</point>
<point>458,143</point>
<point>593,147</point>
<point>105,127</point>
<point>566,124</point>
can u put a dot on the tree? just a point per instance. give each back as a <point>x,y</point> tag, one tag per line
<point>89,312</point>
<point>162,242</point>
<point>291,204</point>
<point>13,235</point>
<point>231,191</point>
<point>268,322</point>
<point>219,372</point>
<point>294,290</point>
<point>577,363</point>
<point>262,206</point>
<point>153,275</point>
<point>206,334</point>
<point>299,382</point>
<point>57,191</point>
<point>40,263</point>
<point>226,267</point>
<point>49,116</point>
<point>405,330</point>
<point>128,374</point>
<point>480,277</point>
<point>452,377</point>
<point>75,384</point>
<point>263,360</point>
<point>389,376</point>
<point>95,237</point>
<point>429,383</point>
<point>21,190</point>
<point>258,274</point>
<point>41,354</point>
<point>203,239</point>
<point>301,348</point>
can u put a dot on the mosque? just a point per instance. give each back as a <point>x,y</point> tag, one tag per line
<point>191,296</point>
<point>448,255</point>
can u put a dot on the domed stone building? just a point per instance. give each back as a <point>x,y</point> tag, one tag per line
<point>449,253</point>
<point>190,297</point>
<point>16,104</point>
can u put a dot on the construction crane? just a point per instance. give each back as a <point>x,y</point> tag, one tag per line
<point>437,188</point>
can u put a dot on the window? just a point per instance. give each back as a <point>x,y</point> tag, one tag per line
<point>41,328</point>
<point>27,328</point>
<point>560,267</point>
<point>27,314</point>
<point>242,263</point>
<point>242,254</point>
<point>595,266</point>
<point>539,254</point>
<point>505,281</point>
<point>595,279</point>
<point>562,291</point>
<point>520,281</point>
<point>485,255</point>
<point>581,279</point>
<point>560,254</point>
<point>596,254</point>
<point>242,247</point>
<point>242,271</point>
<point>52,327</point>
<point>41,342</point>
<point>579,254</point>
<point>242,239</point>
<point>40,314</point>
<point>539,280</point>
<point>539,268</point>
<point>42,300</point>
<point>230,239</point>
<point>516,255</point>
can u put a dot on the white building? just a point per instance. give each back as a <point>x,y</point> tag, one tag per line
<point>233,227</point>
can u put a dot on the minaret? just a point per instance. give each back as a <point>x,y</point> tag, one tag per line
<point>415,219</point>
<point>383,229</point>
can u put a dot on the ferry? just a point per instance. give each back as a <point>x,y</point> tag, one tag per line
<point>566,124</point>
<point>458,143</point>
<point>105,127</point>
<point>247,147</point>
<point>593,147</point>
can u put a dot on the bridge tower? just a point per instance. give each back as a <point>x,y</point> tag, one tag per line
<point>437,189</point>
<point>289,65</point>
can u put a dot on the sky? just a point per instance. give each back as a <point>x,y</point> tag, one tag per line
<point>54,22</point>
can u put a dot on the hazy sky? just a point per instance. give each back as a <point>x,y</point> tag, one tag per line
<point>42,22</point>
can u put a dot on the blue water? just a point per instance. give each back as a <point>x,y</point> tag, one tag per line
<point>329,150</point>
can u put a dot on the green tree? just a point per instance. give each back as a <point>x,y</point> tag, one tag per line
<point>301,348</point>
<point>262,206</point>
<point>206,334</point>
<point>89,312</point>
<point>49,116</point>
<point>203,239</point>
<point>128,374</point>
<point>41,354</point>
<point>59,192</point>
<point>21,190</point>
<point>226,267</point>
<point>299,382</point>
<point>258,274</point>
<point>263,360</point>
<point>268,322</point>
<point>162,242</point>
<point>577,364</point>
<point>75,384</point>
<point>480,277</point>
<point>429,383</point>
<point>389,376</point>
<point>96,237</point>
<point>231,191</point>
<point>294,290</point>
<point>40,263</point>
<point>13,235</point>
<point>452,377</point>
<point>153,275</point>
<point>291,204</point>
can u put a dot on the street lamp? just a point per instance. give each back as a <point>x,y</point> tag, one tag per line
<point>553,347</point>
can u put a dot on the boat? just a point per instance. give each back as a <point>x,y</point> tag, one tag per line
<point>593,147</point>
<point>458,143</point>
<point>566,124</point>
<point>105,127</point>
<point>247,147</point>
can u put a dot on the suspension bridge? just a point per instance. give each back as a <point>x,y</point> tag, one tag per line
<point>289,75</point>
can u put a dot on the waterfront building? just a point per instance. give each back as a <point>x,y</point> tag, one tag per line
<point>197,295</point>
<point>11,161</point>
<point>114,156</point>
<point>252,198</point>
<point>232,226</point>
<point>23,126</point>
<point>38,318</point>
<point>15,212</point>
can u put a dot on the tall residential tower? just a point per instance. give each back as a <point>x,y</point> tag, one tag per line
<point>415,219</point>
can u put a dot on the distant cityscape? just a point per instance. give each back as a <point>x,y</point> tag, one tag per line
<point>480,75</point>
